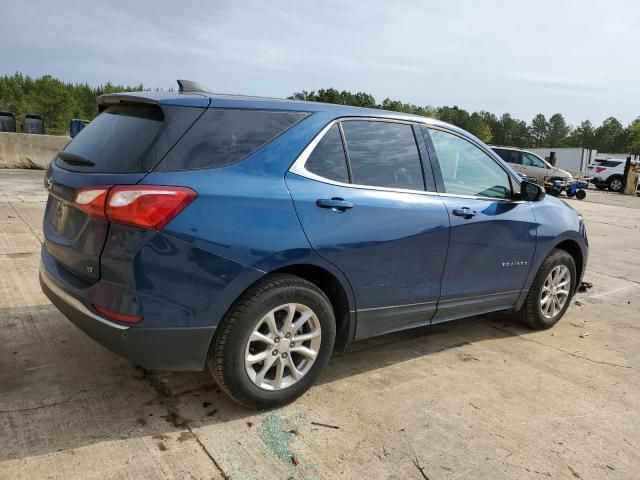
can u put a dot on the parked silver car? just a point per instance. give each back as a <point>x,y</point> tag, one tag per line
<point>531,165</point>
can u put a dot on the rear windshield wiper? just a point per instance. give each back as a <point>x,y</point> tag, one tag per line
<point>74,159</point>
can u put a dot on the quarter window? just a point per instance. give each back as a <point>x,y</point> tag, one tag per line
<point>467,170</point>
<point>328,159</point>
<point>383,154</point>
<point>222,136</point>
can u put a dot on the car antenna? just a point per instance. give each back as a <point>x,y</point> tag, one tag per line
<point>191,86</point>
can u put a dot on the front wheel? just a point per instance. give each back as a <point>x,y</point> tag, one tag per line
<point>551,291</point>
<point>274,342</point>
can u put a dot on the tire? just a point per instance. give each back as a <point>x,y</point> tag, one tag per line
<point>232,351</point>
<point>615,183</point>
<point>531,313</point>
<point>581,194</point>
<point>571,194</point>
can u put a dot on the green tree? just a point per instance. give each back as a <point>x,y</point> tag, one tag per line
<point>633,132</point>
<point>479,125</point>
<point>611,137</point>
<point>56,101</point>
<point>558,131</point>
<point>539,130</point>
<point>582,136</point>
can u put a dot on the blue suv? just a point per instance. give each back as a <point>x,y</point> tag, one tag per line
<point>256,236</point>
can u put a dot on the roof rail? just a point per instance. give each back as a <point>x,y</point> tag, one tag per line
<point>190,86</point>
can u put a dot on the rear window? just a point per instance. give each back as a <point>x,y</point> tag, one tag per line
<point>114,142</point>
<point>607,163</point>
<point>222,137</point>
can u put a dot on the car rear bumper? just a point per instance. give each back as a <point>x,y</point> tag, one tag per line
<point>183,348</point>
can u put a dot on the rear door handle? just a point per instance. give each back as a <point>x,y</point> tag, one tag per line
<point>335,204</point>
<point>465,212</point>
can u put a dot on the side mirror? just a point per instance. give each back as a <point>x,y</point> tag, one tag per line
<point>531,192</point>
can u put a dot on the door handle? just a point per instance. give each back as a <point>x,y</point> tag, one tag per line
<point>465,212</point>
<point>336,204</point>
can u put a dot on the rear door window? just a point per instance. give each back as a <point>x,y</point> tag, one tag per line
<point>383,154</point>
<point>224,136</point>
<point>328,159</point>
<point>510,156</point>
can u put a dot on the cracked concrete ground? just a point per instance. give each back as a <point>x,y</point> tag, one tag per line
<point>477,398</point>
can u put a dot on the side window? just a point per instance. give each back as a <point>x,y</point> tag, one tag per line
<point>328,159</point>
<point>532,161</point>
<point>383,154</point>
<point>467,170</point>
<point>509,156</point>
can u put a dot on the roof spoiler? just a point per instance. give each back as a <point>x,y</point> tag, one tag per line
<point>190,86</point>
<point>114,98</point>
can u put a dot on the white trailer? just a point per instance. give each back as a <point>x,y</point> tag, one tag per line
<point>574,160</point>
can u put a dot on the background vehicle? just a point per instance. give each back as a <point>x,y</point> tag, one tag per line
<point>33,124</point>
<point>7,122</point>
<point>607,173</point>
<point>258,235</point>
<point>532,165</point>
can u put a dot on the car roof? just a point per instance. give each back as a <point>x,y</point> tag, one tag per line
<point>222,100</point>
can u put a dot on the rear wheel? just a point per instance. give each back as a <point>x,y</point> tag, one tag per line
<point>274,342</point>
<point>551,291</point>
<point>615,184</point>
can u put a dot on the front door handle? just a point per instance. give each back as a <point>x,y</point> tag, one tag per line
<point>336,204</point>
<point>465,212</point>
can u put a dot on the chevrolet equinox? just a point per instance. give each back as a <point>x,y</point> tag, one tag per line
<point>257,236</point>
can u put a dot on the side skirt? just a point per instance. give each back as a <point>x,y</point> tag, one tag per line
<point>378,321</point>
<point>466,307</point>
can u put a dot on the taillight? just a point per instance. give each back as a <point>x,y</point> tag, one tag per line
<point>600,169</point>
<point>120,317</point>
<point>147,206</point>
<point>143,206</point>
<point>92,201</point>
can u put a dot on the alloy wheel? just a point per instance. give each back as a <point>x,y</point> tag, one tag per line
<point>283,346</point>
<point>616,185</point>
<point>555,291</point>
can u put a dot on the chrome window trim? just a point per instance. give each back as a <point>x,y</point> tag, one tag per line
<point>397,306</point>
<point>298,166</point>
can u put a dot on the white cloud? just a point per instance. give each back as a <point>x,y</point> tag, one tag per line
<point>524,57</point>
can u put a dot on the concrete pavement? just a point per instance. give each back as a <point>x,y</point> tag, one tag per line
<point>477,398</point>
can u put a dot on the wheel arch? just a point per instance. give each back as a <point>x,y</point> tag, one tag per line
<point>573,248</point>
<point>339,295</point>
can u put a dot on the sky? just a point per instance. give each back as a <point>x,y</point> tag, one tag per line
<point>579,58</point>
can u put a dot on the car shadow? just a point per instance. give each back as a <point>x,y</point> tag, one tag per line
<point>99,397</point>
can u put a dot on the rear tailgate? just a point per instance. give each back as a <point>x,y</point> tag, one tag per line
<point>119,147</point>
